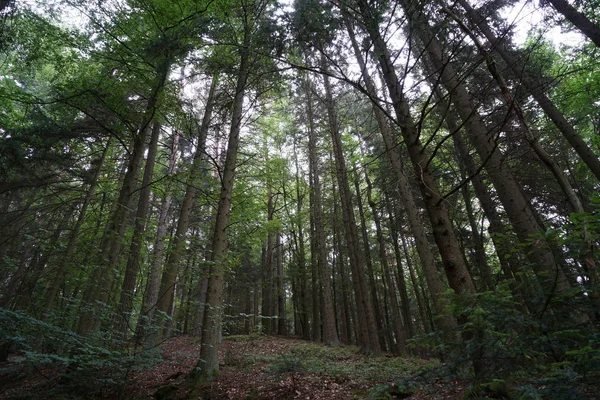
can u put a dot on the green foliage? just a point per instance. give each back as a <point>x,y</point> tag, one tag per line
<point>343,363</point>
<point>87,368</point>
<point>287,365</point>
<point>517,353</point>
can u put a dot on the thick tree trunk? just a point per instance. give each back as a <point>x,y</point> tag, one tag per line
<point>417,227</point>
<point>580,20</point>
<point>207,367</point>
<point>529,136</point>
<point>443,231</point>
<point>100,282</point>
<point>520,212</point>
<point>303,300</point>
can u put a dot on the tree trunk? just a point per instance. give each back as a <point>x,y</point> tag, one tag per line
<point>417,227</point>
<point>133,262</point>
<point>520,212</point>
<point>368,338</point>
<point>110,249</point>
<point>443,231</point>
<point>580,20</point>
<point>281,319</point>
<point>369,263</point>
<point>400,345</point>
<point>208,365</point>
<point>155,268</point>
<point>52,290</point>
<point>330,335</point>
<point>178,243</point>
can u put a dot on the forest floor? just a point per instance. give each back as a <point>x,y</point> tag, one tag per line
<point>261,367</point>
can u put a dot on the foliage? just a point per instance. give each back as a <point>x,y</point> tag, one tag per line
<point>520,354</point>
<point>344,363</point>
<point>86,368</point>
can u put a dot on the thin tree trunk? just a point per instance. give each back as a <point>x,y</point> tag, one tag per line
<point>368,338</point>
<point>52,290</point>
<point>281,319</point>
<point>330,336</point>
<point>155,268</point>
<point>369,263</point>
<point>103,276</point>
<point>400,345</point>
<point>133,262</point>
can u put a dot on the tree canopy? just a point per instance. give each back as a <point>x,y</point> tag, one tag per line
<point>408,177</point>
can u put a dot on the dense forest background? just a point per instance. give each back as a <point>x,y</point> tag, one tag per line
<point>405,176</point>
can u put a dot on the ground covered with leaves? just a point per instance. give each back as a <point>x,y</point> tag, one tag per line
<point>253,367</point>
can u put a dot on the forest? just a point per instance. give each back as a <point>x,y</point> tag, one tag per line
<point>311,199</point>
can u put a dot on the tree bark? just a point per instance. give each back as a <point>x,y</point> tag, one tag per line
<point>152,288</point>
<point>368,338</point>
<point>443,231</point>
<point>366,245</point>
<point>133,262</point>
<point>330,335</point>
<point>520,212</point>
<point>207,367</point>
<point>178,244</point>
<point>102,277</point>
<point>400,346</point>
<point>417,227</point>
<point>580,20</point>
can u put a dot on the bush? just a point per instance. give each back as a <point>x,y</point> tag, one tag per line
<point>86,368</point>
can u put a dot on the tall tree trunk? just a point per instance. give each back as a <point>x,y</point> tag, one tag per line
<point>519,210</point>
<point>152,288</point>
<point>368,337</point>
<point>281,319</point>
<point>513,104</point>
<point>400,345</point>
<point>330,336</point>
<point>178,243</point>
<point>369,263</point>
<point>417,227</point>
<point>133,262</point>
<point>110,249</point>
<point>208,364</point>
<point>443,231</point>
<point>347,311</point>
<point>303,300</point>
